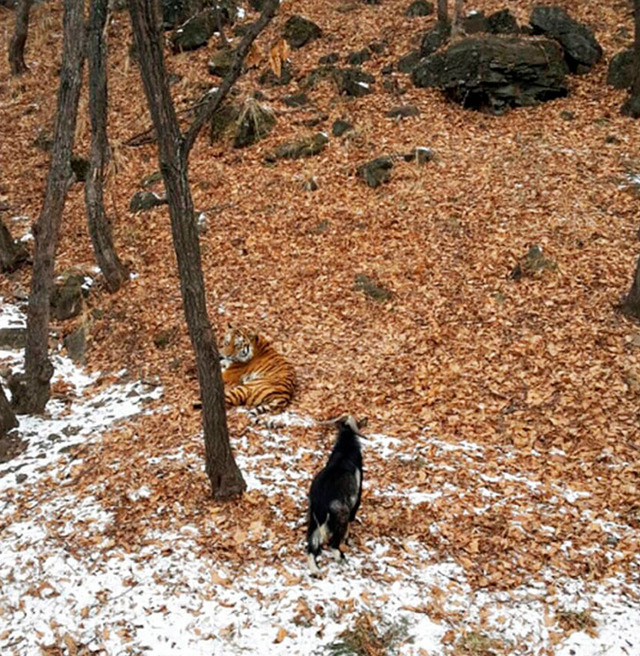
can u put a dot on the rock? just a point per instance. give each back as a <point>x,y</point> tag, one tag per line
<point>151,179</point>
<point>295,100</point>
<point>80,168</point>
<point>195,32</point>
<point>353,82</point>
<point>377,47</point>
<point>420,155</point>
<point>163,338</point>
<point>376,291</point>
<point>269,78</point>
<point>359,57</point>
<point>403,111</point>
<point>76,345</point>
<point>631,107</point>
<point>581,49</point>
<point>503,22</point>
<point>532,264</point>
<point>254,123</point>
<point>298,31</point>
<point>493,73</point>
<point>13,338</point>
<point>567,115</point>
<point>175,12</point>
<point>331,58</point>
<point>407,63</point>
<point>319,73</point>
<point>67,297</point>
<point>433,39</point>
<point>339,127</point>
<point>475,22</point>
<point>419,8</point>
<point>223,121</point>
<point>316,120</point>
<point>145,200</point>
<point>620,75</point>
<point>376,172</point>
<point>306,147</point>
<point>220,62</point>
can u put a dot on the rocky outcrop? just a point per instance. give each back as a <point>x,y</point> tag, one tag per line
<point>581,49</point>
<point>493,73</point>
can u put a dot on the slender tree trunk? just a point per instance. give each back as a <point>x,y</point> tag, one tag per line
<point>19,38</point>
<point>631,106</point>
<point>12,253</point>
<point>631,304</point>
<point>99,226</point>
<point>224,475</point>
<point>443,12</point>
<point>31,390</point>
<point>456,23</point>
<point>7,417</point>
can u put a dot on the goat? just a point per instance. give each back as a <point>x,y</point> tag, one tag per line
<point>334,496</point>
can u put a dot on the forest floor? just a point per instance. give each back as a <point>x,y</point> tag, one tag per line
<point>500,511</point>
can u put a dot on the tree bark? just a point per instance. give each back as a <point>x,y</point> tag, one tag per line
<point>631,106</point>
<point>631,304</point>
<point>224,475</point>
<point>7,417</point>
<point>31,390</point>
<point>99,226</point>
<point>19,38</point>
<point>456,23</point>
<point>443,12</point>
<point>12,253</point>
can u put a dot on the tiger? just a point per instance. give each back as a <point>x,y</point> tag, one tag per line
<point>254,373</point>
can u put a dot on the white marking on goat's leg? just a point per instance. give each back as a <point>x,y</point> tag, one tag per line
<point>338,556</point>
<point>313,566</point>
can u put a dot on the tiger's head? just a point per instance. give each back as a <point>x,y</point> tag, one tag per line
<point>237,346</point>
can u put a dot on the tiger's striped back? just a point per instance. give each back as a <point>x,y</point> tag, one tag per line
<point>255,374</point>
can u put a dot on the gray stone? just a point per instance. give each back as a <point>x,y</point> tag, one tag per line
<point>295,100</point>
<point>419,8</point>
<point>220,62</point>
<point>403,111</point>
<point>254,123</point>
<point>503,22</point>
<point>376,291</point>
<point>339,127</point>
<point>581,49</point>
<point>376,172</point>
<point>145,200</point>
<point>620,75</point>
<point>76,345</point>
<point>300,148</point>
<point>359,57</point>
<point>407,63</point>
<point>195,33</point>
<point>434,38</point>
<point>12,338</point>
<point>298,31</point>
<point>353,82</point>
<point>493,73</point>
<point>67,297</point>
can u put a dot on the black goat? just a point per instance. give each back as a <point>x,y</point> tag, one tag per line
<point>334,497</point>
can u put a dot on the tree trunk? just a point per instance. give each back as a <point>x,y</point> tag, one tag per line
<point>224,475</point>
<point>456,23</point>
<point>7,418</point>
<point>19,38</point>
<point>12,253</point>
<point>31,390</point>
<point>631,304</point>
<point>631,106</point>
<point>443,12</point>
<point>99,226</point>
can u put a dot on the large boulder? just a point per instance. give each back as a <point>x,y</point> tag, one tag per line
<point>620,75</point>
<point>581,49</point>
<point>175,12</point>
<point>493,73</point>
<point>195,32</point>
<point>298,31</point>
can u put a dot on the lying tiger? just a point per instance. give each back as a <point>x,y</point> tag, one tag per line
<point>254,373</point>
